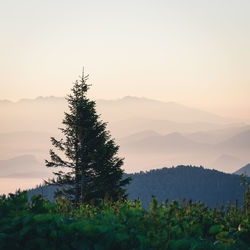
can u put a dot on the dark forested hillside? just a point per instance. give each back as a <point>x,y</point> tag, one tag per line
<point>196,183</point>
<point>176,183</point>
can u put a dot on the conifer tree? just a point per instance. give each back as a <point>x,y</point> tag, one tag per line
<point>88,166</point>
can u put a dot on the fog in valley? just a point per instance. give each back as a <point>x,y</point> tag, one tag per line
<point>170,78</point>
<point>151,134</point>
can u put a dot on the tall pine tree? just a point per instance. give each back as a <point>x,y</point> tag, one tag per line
<point>88,166</point>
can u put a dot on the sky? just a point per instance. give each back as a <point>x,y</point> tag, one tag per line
<point>194,52</point>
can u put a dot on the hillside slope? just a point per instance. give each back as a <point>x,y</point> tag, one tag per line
<point>244,170</point>
<point>196,183</point>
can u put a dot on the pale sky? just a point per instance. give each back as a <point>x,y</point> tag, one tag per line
<point>195,52</point>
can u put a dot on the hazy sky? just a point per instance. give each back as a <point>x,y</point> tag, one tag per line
<point>196,52</point>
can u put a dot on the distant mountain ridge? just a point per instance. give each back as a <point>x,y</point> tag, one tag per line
<point>244,170</point>
<point>154,108</point>
<point>21,166</point>
<point>241,140</point>
<point>29,100</point>
<point>150,132</point>
<point>217,135</point>
<point>137,113</point>
<point>230,161</point>
<point>162,143</point>
<point>138,136</point>
<point>171,141</point>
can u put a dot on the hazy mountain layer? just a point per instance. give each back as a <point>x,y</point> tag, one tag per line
<point>151,134</point>
<point>130,107</point>
<point>24,166</point>
<point>244,170</point>
<point>217,136</point>
<point>146,150</point>
<point>46,113</point>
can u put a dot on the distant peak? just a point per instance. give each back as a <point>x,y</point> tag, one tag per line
<point>41,98</point>
<point>135,98</point>
<point>244,170</point>
<point>5,101</point>
<point>30,158</point>
<point>45,97</point>
<point>174,134</point>
<point>128,97</point>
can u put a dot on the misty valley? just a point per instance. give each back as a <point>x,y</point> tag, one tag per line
<point>151,134</point>
<point>150,151</point>
<point>186,179</point>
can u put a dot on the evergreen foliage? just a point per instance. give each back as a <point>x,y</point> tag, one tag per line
<point>197,183</point>
<point>120,225</point>
<point>90,168</point>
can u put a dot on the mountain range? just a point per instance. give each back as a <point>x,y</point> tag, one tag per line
<point>46,113</point>
<point>151,134</point>
<point>176,148</point>
<point>152,109</point>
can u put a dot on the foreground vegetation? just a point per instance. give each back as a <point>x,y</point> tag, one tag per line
<point>120,225</point>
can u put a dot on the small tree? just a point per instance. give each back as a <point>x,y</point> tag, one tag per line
<point>88,167</point>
